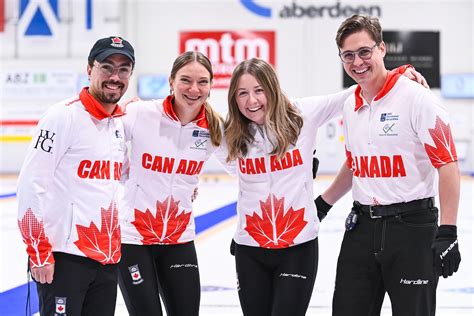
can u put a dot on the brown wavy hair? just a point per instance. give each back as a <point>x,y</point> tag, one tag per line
<point>282,119</point>
<point>213,118</point>
<point>358,23</point>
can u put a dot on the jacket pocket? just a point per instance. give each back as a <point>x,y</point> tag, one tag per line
<point>129,211</point>
<point>71,222</point>
<point>422,218</point>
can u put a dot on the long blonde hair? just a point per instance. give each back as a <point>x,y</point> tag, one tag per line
<point>214,120</point>
<point>281,118</point>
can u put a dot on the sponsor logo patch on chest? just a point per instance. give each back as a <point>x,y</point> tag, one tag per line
<point>388,117</point>
<point>389,128</point>
<point>202,134</point>
<point>199,144</point>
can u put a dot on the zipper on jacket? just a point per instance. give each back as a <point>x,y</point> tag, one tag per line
<point>130,216</point>
<point>266,146</point>
<point>369,124</point>
<point>178,159</point>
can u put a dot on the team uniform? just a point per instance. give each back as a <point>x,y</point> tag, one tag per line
<point>393,148</point>
<point>158,228</point>
<point>67,205</point>
<point>276,249</point>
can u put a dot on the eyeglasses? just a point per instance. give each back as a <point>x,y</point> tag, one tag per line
<point>109,70</point>
<point>364,53</point>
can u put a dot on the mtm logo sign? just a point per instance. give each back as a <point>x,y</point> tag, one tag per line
<point>226,49</point>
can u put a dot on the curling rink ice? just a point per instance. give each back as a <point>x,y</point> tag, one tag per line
<point>218,281</point>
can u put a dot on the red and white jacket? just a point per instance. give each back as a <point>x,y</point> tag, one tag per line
<point>68,183</point>
<point>166,159</point>
<point>275,204</point>
<point>393,144</point>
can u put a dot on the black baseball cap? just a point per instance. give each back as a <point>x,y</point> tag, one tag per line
<point>107,46</point>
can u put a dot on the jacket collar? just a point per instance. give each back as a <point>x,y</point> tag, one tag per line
<point>200,120</point>
<point>95,108</point>
<point>392,78</point>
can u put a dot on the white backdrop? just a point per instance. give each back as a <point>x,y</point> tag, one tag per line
<point>306,54</point>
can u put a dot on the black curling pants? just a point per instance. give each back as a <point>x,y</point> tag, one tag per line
<point>388,255</point>
<point>148,271</point>
<point>276,282</point>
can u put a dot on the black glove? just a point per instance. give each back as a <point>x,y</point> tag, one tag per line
<point>322,207</point>
<point>446,251</point>
<point>315,165</point>
<point>232,247</point>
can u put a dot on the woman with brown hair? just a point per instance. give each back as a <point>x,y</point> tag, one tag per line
<point>170,140</point>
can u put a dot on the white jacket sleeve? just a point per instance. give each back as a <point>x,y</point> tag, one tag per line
<point>131,112</point>
<point>221,155</point>
<point>431,123</point>
<point>320,109</point>
<point>49,144</point>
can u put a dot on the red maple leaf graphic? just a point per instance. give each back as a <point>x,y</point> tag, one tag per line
<point>444,151</point>
<point>275,229</point>
<point>104,245</point>
<point>37,244</point>
<point>166,228</point>
<point>117,40</point>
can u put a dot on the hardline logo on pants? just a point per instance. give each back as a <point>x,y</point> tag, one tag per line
<point>183,265</point>
<point>292,275</point>
<point>414,282</point>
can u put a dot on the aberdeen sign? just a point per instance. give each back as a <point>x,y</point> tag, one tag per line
<point>297,10</point>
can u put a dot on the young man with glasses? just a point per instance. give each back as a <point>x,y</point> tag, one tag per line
<point>398,141</point>
<point>67,190</point>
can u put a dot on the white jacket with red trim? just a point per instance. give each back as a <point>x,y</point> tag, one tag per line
<point>275,203</point>
<point>394,145</point>
<point>166,159</point>
<point>68,183</point>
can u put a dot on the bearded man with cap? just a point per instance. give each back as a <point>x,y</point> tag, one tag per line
<point>67,190</point>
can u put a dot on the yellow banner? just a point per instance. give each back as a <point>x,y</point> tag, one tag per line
<point>15,138</point>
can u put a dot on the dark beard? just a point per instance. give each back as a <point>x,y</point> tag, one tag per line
<point>109,98</point>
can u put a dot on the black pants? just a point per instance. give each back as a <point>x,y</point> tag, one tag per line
<point>81,286</point>
<point>393,255</point>
<point>276,281</point>
<point>146,271</point>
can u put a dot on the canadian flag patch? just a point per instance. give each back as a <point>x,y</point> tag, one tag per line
<point>135,274</point>
<point>60,305</point>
